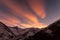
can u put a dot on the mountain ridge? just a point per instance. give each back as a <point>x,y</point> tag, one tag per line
<point>15,32</point>
<point>52,32</point>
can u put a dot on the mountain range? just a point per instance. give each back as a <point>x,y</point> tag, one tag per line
<point>15,33</point>
<point>52,32</point>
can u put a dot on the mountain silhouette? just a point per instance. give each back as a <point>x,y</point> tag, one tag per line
<point>52,32</point>
<point>15,33</point>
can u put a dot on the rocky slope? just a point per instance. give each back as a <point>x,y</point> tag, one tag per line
<point>52,32</point>
<point>15,33</point>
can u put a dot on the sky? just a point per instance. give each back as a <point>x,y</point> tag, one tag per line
<point>29,13</point>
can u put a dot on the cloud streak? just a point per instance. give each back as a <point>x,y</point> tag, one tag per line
<point>20,13</point>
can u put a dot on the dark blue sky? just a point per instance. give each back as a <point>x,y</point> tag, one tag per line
<point>53,10</point>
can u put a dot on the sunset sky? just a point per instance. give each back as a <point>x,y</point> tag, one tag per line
<point>29,13</point>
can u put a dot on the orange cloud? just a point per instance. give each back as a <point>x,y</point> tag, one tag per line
<point>9,20</point>
<point>18,10</point>
<point>38,7</point>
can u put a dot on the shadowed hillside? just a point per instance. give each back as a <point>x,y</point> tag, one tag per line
<point>52,32</point>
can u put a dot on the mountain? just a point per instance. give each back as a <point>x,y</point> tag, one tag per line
<point>15,33</point>
<point>52,32</point>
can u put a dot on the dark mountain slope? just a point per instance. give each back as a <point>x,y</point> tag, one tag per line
<point>52,32</point>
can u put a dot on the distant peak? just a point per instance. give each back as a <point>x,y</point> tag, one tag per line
<point>1,23</point>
